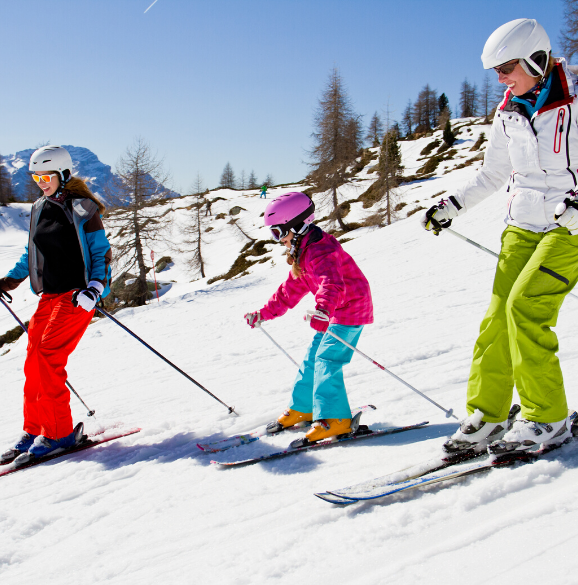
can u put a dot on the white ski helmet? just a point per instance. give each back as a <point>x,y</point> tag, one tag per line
<point>51,158</point>
<point>522,39</point>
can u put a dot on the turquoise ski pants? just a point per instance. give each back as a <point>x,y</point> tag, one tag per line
<point>516,345</point>
<point>319,387</point>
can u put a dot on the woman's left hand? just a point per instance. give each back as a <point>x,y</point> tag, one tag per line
<point>566,214</point>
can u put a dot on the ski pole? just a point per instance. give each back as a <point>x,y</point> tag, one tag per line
<point>320,315</point>
<point>231,409</point>
<point>484,249</point>
<point>258,325</point>
<point>68,384</point>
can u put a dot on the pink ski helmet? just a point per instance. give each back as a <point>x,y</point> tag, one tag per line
<point>290,211</point>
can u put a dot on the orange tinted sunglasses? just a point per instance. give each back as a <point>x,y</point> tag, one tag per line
<point>45,178</point>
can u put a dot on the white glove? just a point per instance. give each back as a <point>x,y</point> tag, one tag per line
<point>88,297</point>
<point>440,216</point>
<point>566,213</point>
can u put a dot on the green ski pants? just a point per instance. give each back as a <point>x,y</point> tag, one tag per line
<point>516,345</point>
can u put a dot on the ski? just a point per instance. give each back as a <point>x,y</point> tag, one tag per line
<point>363,433</point>
<point>252,436</point>
<point>378,485</point>
<point>395,483</point>
<point>87,442</point>
<point>369,489</point>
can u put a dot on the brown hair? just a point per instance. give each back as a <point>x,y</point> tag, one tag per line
<point>79,187</point>
<point>551,65</point>
<point>293,260</point>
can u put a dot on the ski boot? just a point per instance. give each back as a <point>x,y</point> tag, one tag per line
<point>474,435</point>
<point>22,445</point>
<point>529,434</point>
<point>288,419</point>
<point>43,446</point>
<point>328,428</point>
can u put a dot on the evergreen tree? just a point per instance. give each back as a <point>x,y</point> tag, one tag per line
<point>228,177</point>
<point>269,181</point>
<point>390,169</point>
<point>335,146</point>
<point>443,103</point>
<point>375,131</point>
<point>449,136</point>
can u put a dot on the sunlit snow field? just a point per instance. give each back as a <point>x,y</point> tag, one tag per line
<point>151,509</point>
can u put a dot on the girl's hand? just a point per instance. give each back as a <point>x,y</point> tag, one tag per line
<point>318,319</point>
<point>253,319</point>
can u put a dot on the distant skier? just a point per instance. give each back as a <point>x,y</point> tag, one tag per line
<point>534,145</point>
<point>318,265</point>
<point>67,259</point>
<point>263,192</point>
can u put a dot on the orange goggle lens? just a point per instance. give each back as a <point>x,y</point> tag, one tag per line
<point>45,178</point>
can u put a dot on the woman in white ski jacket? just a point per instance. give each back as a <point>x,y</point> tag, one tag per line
<point>533,146</point>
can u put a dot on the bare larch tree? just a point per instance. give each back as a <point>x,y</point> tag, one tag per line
<point>138,224</point>
<point>333,150</point>
<point>192,229</point>
<point>569,33</point>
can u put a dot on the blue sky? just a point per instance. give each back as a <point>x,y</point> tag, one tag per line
<point>206,83</point>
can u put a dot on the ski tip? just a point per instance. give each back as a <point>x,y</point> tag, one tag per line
<point>201,447</point>
<point>332,499</point>
<point>372,407</point>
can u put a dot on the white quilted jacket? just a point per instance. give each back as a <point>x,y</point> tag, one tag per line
<point>539,157</point>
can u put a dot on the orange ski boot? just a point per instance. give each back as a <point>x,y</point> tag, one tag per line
<point>288,419</point>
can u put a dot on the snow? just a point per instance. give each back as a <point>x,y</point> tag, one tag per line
<point>150,508</point>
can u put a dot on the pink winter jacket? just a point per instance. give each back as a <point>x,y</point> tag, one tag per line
<point>330,273</point>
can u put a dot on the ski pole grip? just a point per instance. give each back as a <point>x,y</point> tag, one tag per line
<point>4,295</point>
<point>317,314</point>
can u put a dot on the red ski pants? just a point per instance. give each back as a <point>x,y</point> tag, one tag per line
<point>54,332</point>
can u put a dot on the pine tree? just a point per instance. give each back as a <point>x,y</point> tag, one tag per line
<point>390,170</point>
<point>375,131</point>
<point>137,225</point>
<point>269,181</point>
<point>335,142</point>
<point>228,177</point>
<point>448,135</point>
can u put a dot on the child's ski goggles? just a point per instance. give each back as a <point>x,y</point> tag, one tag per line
<point>45,178</point>
<point>278,232</point>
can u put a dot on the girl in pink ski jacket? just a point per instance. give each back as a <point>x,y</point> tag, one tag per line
<point>343,305</point>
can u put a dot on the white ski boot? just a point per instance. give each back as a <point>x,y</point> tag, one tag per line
<point>476,435</point>
<point>527,434</point>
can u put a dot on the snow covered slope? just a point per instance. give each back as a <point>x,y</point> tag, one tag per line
<point>151,509</point>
